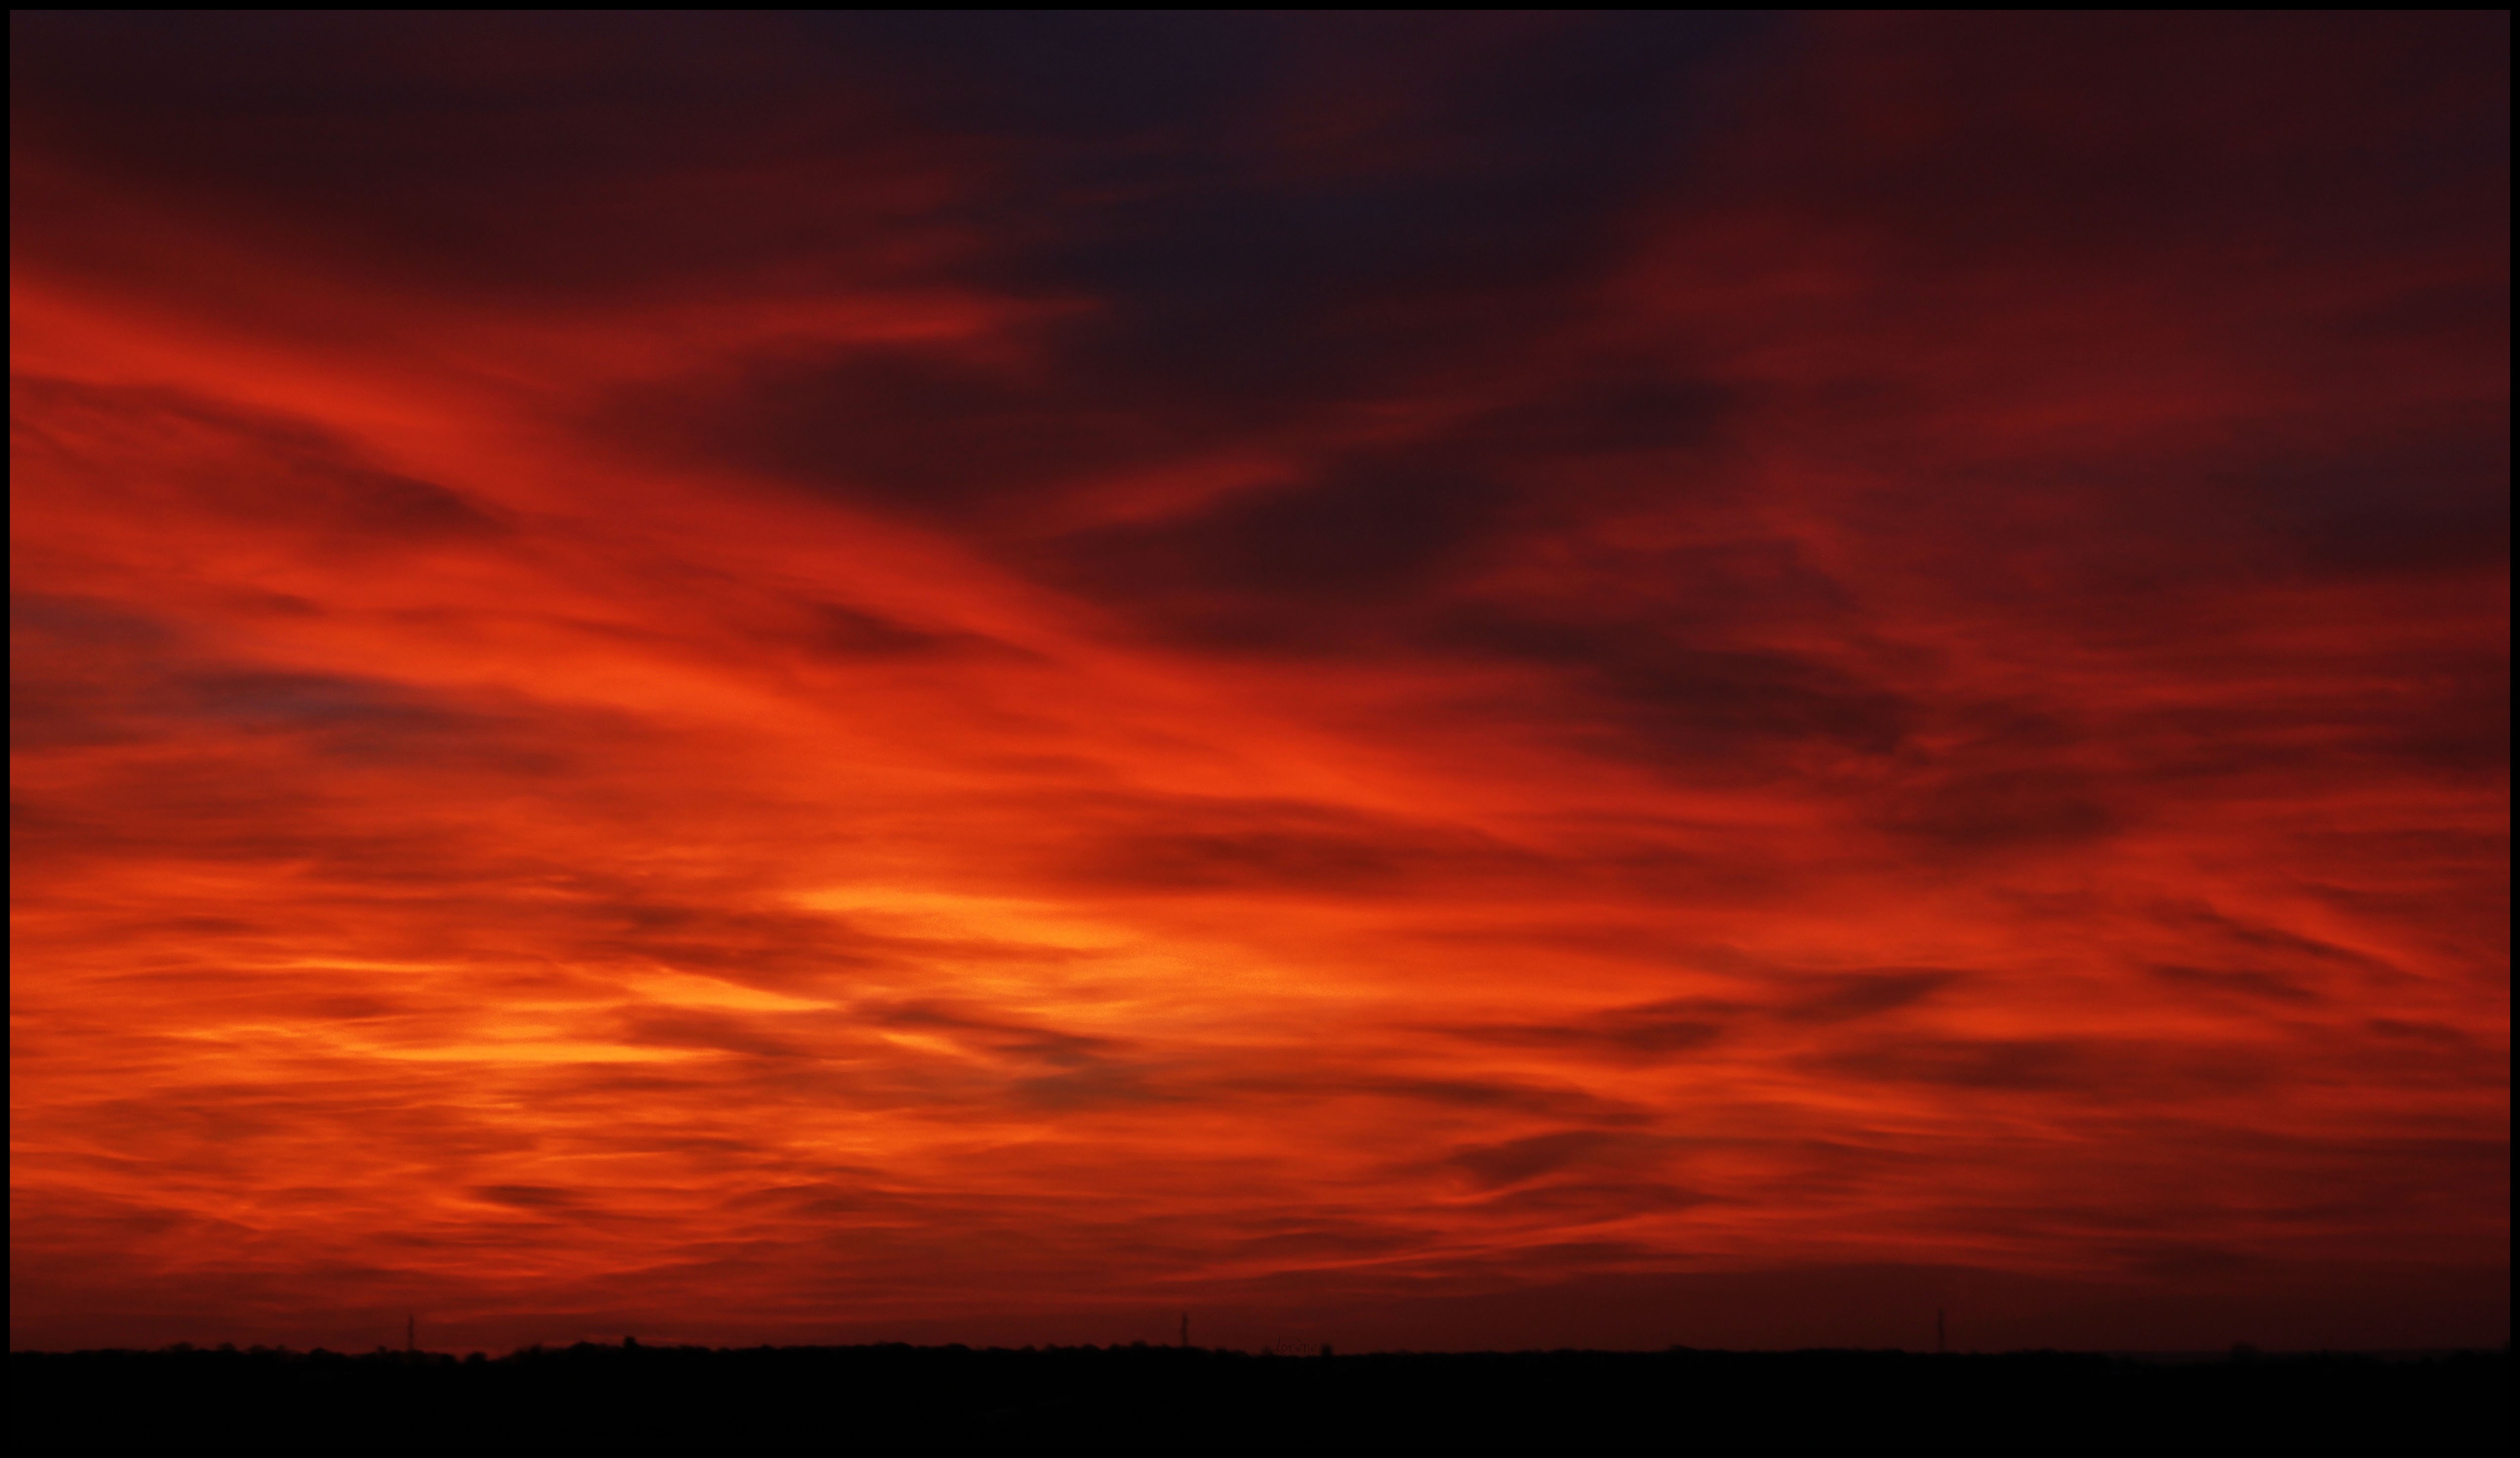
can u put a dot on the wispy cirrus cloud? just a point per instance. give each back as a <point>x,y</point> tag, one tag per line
<point>1439,681</point>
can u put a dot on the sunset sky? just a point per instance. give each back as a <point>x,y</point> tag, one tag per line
<point>1399,680</point>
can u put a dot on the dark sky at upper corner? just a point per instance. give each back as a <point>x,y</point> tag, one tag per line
<point>971,675</point>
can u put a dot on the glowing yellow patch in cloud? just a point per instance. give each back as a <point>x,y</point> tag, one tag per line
<point>685,989</point>
<point>539,1052</point>
<point>947,914</point>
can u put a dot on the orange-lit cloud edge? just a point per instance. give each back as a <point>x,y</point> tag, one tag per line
<point>717,749</point>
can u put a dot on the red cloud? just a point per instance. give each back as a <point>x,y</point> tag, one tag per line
<point>1484,682</point>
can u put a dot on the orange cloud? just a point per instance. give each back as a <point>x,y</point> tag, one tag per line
<point>1610,682</point>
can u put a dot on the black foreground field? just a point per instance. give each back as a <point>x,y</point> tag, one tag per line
<point>887,1397</point>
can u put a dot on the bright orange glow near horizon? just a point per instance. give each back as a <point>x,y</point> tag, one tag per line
<point>1488,680</point>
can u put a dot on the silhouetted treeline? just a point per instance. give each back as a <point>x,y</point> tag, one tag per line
<point>1190,1400</point>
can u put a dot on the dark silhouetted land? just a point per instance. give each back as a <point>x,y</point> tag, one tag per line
<point>1191,1401</point>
